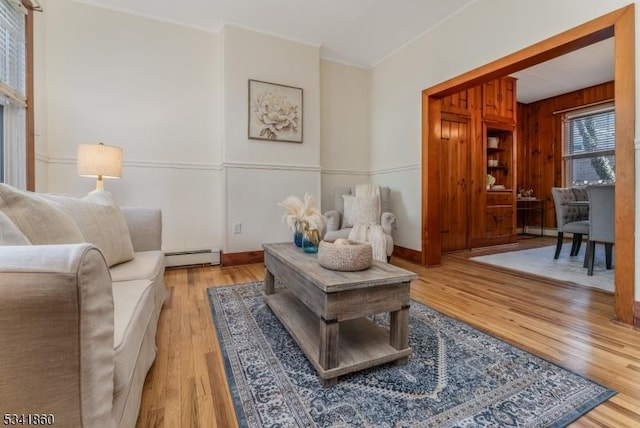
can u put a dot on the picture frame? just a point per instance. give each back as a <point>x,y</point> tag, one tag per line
<point>275,112</point>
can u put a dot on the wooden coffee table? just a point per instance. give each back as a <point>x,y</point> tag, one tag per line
<point>325,311</point>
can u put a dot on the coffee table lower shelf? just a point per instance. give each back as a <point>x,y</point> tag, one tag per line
<point>361,343</point>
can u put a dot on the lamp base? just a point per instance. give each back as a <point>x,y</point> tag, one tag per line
<point>99,185</point>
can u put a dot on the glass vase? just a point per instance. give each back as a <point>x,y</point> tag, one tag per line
<point>297,235</point>
<point>310,241</point>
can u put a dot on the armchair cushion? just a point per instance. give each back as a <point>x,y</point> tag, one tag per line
<point>365,210</point>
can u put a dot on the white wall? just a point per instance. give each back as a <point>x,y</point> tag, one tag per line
<point>259,173</point>
<point>150,87</point>
<point>345,153</point>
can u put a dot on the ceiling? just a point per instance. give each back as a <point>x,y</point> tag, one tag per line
<point>576,70</point>
<point>364,32</point>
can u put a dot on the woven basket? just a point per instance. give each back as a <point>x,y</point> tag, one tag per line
<point>345,258</point>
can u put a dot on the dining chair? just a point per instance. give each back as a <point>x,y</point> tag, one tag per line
<point>569,219</point>
<point>601,223</point>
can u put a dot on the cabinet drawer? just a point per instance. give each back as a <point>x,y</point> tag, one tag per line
<point>499,198</point>
<point>499,222</point>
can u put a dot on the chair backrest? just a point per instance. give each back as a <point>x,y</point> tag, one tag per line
<point>565,213</point>
<point>601,213</point>
<point>582,195</point>
<point>338,201</point>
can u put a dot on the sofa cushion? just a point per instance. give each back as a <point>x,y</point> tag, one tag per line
<point>144,265</point>
<point>101,223</point>
<point>361,209</point>
<point>9,232</point>
<point>133,303</point>
<point>40,220</point>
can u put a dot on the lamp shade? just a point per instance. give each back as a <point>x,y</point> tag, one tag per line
<point>99,160</point>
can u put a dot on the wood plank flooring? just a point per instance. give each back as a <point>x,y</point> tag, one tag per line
<point>566,324</point>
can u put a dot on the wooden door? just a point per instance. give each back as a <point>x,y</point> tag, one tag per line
<point>454,170</point>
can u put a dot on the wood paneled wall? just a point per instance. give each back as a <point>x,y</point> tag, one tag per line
<point>540,165</point>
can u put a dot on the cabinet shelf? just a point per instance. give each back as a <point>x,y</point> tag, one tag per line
<point>499,167</point>
<point>494,149</point>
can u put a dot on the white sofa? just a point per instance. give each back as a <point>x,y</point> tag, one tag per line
<point>77,337</point>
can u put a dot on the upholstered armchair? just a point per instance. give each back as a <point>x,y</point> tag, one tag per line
<point>340,226</point>
<point>570,218</point>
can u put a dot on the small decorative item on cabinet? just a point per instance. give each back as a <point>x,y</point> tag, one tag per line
<point>490,180</point>
<point>492,142</point>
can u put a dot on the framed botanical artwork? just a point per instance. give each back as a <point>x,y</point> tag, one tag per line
<point>275,112</point>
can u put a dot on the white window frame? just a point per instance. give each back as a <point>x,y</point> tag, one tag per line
<point>568,158</point>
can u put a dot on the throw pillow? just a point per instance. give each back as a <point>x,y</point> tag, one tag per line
<point>9,232</point>
<point>40,220</point>
<point>358,209</point>
<point>101,222</point>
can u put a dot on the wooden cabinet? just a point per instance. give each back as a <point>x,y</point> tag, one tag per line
<point>499,101</point>
<point>499,222</point>
<point>500,201</point>
<point>457,103</point>
<point>500,156</point>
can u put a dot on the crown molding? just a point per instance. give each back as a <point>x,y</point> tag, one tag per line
<point>98,3</point>
<point>272,34</point>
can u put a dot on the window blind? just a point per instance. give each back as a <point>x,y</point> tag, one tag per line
<point>13,92</point>
<point>12,48</point>
<point>590,133</point>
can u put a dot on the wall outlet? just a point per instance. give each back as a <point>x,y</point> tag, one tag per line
<point>237,228</point>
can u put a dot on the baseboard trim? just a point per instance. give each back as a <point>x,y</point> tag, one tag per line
<point>407,254</point>
<point>244,258</point>
<point>636,314</point>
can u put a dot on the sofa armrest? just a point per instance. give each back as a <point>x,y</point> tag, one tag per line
<point>334,219</point>
<point>145,227</point>
<point>56,333</point>
<point>388,222</point>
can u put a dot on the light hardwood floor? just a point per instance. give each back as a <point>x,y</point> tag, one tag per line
<point>565,324</point>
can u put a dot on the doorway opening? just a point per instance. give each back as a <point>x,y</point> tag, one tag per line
<point>619,23</point>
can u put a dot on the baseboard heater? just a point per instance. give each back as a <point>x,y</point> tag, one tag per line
<point>192,258</point>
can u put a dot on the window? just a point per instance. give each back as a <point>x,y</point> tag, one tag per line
<point>13,92</point>
<point>589,146</point>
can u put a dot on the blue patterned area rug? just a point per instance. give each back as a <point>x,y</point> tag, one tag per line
<point>457,376</point>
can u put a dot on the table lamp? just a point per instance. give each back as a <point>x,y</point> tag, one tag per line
<point>101,161</point>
